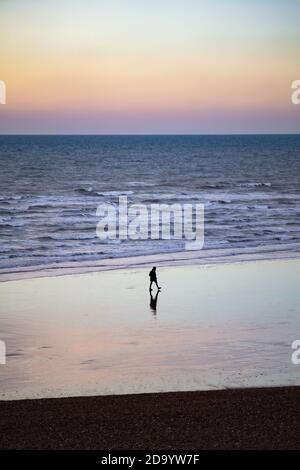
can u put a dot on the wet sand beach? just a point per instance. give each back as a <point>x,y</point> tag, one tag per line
<point>211,327</point>
<point>95,362</point>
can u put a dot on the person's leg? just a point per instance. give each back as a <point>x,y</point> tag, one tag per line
<point>157,285</point>
<point>150,288</point>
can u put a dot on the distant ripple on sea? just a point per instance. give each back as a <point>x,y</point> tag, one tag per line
<point>50,187</point>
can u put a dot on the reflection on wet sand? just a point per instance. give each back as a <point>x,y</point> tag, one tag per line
<point>153,301</point>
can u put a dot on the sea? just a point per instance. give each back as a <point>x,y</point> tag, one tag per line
<point>51,186</point>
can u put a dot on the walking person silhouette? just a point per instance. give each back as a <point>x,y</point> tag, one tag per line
<point>153,278</point>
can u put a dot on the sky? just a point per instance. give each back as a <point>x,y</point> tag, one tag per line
<point>149,67</point>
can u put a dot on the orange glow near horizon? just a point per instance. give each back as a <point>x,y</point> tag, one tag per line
<point>133,59</point>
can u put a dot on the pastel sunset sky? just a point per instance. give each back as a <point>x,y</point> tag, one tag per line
<point>141,66</point>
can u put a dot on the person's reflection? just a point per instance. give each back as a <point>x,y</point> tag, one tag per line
<point>153,302</point>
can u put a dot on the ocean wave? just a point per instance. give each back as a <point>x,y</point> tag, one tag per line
<point>86,191</point>
<point>6,212</point>
<point>12,224</point>
<point>254,185</point>
<point>91,192</point>
<point>140,183</point>
<point>213,186</point>
<point>15,197</point>
<point>67,237</point>
<point>115,193</point>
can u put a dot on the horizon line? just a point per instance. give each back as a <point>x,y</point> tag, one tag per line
<point>146,134</point>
